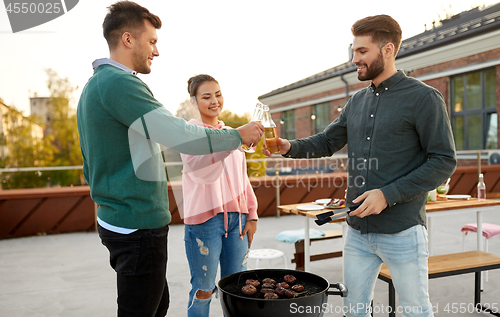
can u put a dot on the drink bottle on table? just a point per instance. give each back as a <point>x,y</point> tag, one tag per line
<point>481,188</point>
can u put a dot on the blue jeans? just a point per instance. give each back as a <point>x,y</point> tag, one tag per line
<point>140,262</point>
<point>405,254</point>
<point>206,246</point>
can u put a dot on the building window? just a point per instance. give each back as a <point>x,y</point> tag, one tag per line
<point>473,110</point>
<point>321,112</point>
<point>289,124</point>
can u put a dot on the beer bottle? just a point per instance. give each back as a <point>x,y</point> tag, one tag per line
<point>257,116</point>
<point>270,132</point>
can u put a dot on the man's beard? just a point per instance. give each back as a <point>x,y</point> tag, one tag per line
<point>141,63</point>
<point>375,69</point>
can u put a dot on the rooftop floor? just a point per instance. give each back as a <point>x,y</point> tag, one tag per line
<point>68,275</point>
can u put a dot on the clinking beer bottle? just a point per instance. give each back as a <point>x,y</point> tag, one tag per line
<point>270,132</point>
<point>257,116</point>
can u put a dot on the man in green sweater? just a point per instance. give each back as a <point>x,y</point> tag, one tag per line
<point>121,126</point>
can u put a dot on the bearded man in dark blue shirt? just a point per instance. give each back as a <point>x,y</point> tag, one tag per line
<point>400,139</point>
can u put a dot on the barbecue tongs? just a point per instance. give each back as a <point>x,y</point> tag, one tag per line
<point>330,215</point>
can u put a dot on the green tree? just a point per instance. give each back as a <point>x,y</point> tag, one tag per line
<point>59,145</point>
<point>63,127</point>
<point>25,148</point>
<point>234,120</point>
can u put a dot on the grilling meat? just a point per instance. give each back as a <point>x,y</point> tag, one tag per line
<point>298,288</point>
<point>270,296</point>
<point>273,290</point>
<point>249,289</point>
<point>289,293</point>
<point>267,290</point>
<point>269,280</point>
<point>290,279</point>
<point>280,291</point>
<point>254,283</point>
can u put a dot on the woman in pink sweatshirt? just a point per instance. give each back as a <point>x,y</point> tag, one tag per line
<point>220,207</point>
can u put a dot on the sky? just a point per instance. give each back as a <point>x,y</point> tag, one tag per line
<point>250,47</point>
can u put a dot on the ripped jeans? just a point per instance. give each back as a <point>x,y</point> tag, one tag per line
<point>206,246</point>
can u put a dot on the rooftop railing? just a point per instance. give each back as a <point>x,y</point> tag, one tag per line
<point>63,209</point>
<point>282,165</point>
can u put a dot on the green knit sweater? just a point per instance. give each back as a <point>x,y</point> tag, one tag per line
<point>121,126</point>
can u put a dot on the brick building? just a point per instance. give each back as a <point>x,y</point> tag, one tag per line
<point>460,58</point>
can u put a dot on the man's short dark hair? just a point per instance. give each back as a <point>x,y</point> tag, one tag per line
<point>383,29</point>
<point>126,16</point>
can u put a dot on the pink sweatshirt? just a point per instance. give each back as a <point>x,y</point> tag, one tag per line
<point>216,183</point>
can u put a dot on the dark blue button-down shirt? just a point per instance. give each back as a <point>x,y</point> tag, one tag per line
<point>399,140</point>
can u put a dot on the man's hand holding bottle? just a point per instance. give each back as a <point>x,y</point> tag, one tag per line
<point>251,132</point>
<point>284,147</point>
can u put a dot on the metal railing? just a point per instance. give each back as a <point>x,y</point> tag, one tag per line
<point>278,162</point>
<point>476,153</point>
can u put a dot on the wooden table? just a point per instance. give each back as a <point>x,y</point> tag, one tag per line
<point>449,265</point>
<point>448,207</point>
<point>292,209</point>
<point>437,208</point>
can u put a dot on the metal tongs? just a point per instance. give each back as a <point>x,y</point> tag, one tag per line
<point>330,215</point>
